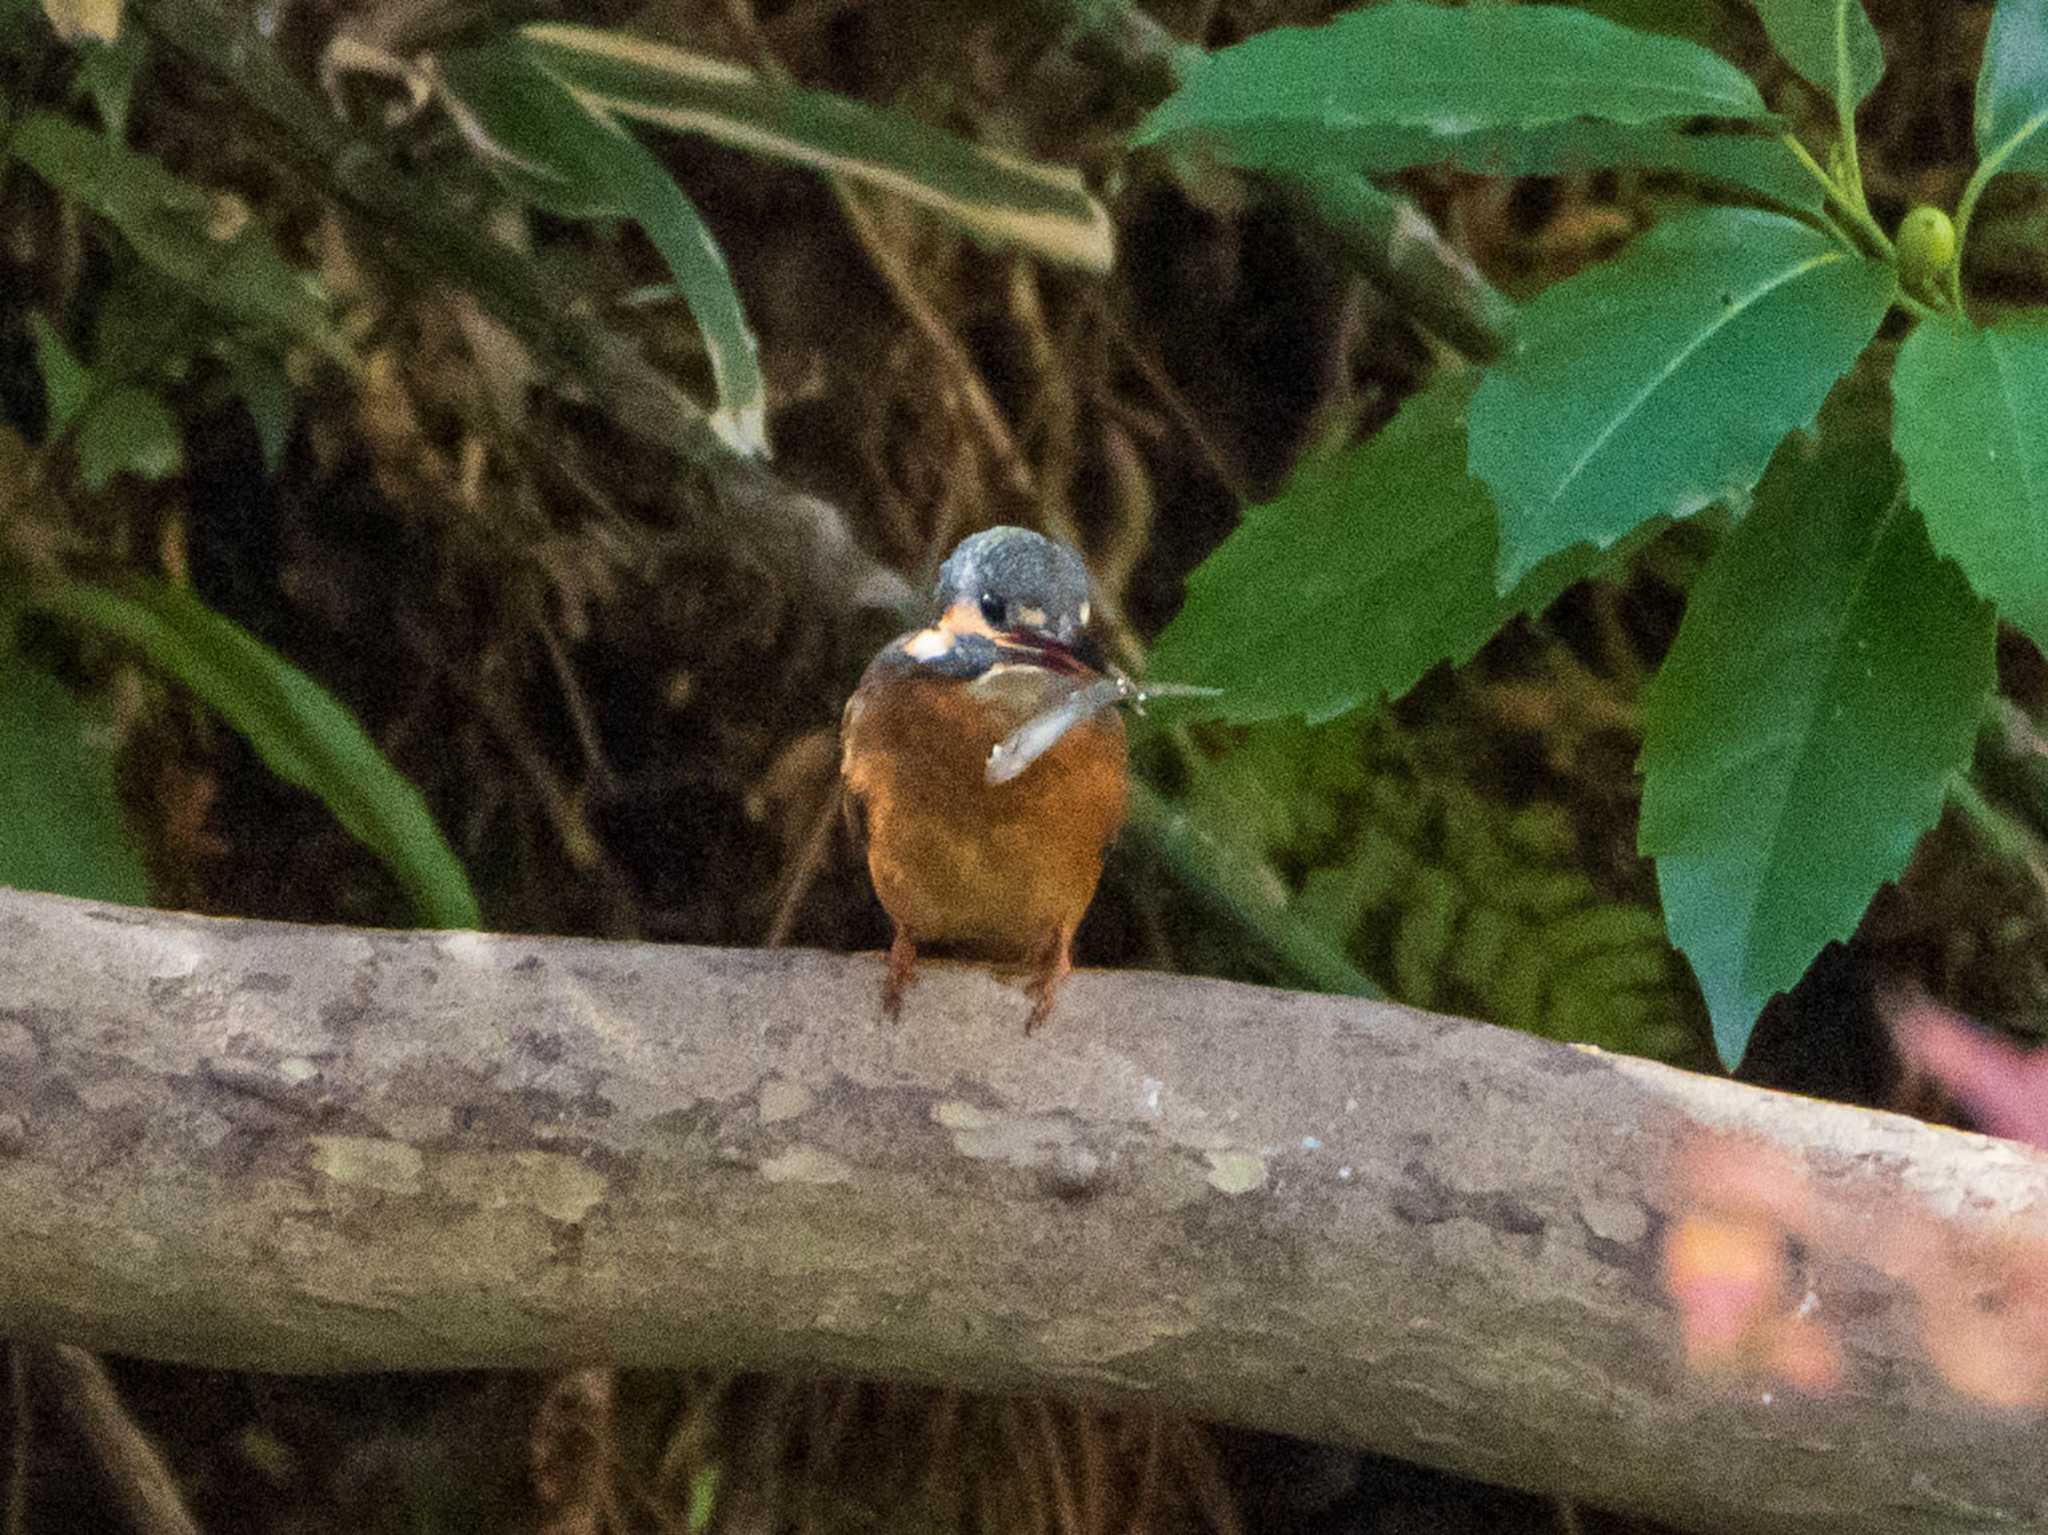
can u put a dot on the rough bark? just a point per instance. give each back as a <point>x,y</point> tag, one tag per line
<point>301,1149</point>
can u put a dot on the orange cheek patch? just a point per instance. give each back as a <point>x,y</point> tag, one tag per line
<point>965,618</point>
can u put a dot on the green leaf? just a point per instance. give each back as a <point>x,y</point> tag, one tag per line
<point>1826,681</point>
<point>259,380</point>
<point>1660,383</point>
<point>2012,90</point>
<point>1754,162</point>
<point>996,198</point>
<point>169,223</point>
<point>148,327</point>
<point>1970,420</point>
<point>1758,164</point>
<point>108,71</point>
<point>129,431</point>
<point>1680,18</point>
<point>1369,568</point>
<point>67,382</point>
<point>298,728</point>
<point>1750,161</point>
<point>1405,84</point>
<point>60,811</point>
<point>703,1499</point>
<point>123,430</point>
<point>1829,43</point>
<point>557,149</point>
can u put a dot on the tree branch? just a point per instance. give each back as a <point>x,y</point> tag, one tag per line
<point>284,1148</point>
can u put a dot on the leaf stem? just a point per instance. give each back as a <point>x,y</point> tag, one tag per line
<point>1859,214</point>
<point>1869,227</point>
<point>1791,141</point>
<point>1845,113</point>
<point>1233,883</point>
<point>1980,178</point>
<point>2001,831</point>
<point>1919,308</point>
<point>1394,245</point>
<point>1846,199</point>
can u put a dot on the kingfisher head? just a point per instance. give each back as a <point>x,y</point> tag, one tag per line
<point>1026,592</point>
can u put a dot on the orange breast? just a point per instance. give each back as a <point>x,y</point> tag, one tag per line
<point>1002,869</point>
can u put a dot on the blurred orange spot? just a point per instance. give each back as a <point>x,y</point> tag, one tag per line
<point>1725,1276</point>
<point>1727,1271</point>
<point>1982,1300</point>
<point>1986,1324</point>
<point>1805,1356</point>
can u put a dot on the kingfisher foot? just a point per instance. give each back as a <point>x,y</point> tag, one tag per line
<point>902,972</point>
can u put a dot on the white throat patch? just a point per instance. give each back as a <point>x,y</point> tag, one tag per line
<point>928,644</point>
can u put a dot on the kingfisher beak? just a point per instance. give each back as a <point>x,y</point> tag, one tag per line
<point>1083,648</point>
<point>1074,651</point>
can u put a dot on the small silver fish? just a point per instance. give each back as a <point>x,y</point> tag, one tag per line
<point>1038,735</point>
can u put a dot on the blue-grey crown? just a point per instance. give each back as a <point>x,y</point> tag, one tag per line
<point>1021,569</point>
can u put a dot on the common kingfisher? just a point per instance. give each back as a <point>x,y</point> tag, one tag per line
<point>998,868</point>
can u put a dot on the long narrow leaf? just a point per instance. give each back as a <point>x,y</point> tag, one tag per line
<point>68,384</point>
<point>553,147</point>
<point>1401,82</point>
<point>298,728</point>
<point>995,197</point>
<point>1748,161</point>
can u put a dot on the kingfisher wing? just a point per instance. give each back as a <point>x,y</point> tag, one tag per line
<point>852,804</point>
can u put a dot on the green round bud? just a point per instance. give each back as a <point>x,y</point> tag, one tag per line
<point>1927,247</point>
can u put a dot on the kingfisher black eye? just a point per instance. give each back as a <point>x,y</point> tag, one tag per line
<point>992,611</point>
